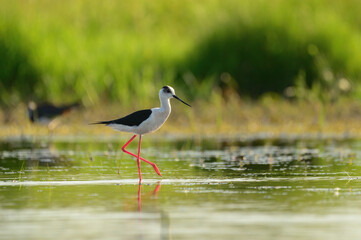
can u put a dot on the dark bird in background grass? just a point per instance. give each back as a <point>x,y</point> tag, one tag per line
<point>46,113</point>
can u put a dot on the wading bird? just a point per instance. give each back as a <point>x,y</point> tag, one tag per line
<point>145,121</point>
<point>46,113</point>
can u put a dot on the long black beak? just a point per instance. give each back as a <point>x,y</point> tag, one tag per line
<point>181,100</point>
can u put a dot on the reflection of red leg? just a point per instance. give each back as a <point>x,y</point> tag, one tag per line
<point>126,151</point>
<point>155,192</point>
<point>139,197</point>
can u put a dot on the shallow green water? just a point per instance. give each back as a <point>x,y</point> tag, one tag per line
<point>217,188</point>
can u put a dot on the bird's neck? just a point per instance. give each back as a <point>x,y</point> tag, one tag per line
<point>165,105</point>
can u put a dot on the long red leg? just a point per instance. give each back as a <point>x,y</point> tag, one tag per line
<point>138,160</point>
<point>125,145</point>
<point>132,154</point>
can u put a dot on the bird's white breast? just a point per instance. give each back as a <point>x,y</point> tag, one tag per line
<point>154,122</point>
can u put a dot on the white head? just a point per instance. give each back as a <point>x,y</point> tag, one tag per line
<point>168,92</point>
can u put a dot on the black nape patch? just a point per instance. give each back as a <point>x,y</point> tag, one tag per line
<point>133,119</point>
<point>166,89</point>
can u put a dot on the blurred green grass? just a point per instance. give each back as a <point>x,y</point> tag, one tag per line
<point>93,51</point>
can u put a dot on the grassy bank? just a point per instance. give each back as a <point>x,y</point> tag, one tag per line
<point>269,115</point>
<point>246,66</point>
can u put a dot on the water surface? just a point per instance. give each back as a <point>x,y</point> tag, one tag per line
<point>215,188</point>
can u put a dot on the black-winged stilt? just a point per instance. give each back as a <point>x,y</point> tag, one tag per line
<point>46,113</point>
<point>145,121</point>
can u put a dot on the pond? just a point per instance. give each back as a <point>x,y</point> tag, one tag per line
<point>211,188</point>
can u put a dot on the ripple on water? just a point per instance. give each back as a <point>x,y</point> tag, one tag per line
<point>221,189</point>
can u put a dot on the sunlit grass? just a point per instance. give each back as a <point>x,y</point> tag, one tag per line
<point>114,57</point>
<point>272,115</point>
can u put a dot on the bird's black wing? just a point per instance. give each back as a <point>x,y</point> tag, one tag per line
<point>49,110</point>
<point>133,119</point>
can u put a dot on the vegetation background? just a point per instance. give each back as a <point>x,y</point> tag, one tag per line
<point>248,66</point>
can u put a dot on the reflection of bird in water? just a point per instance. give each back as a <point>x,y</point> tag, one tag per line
<point>151,205</point>
<point>145,121</point>
<point>148,197</point>
<point>155,193</point>
<point>164,217</point>
<point>46,113</point>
